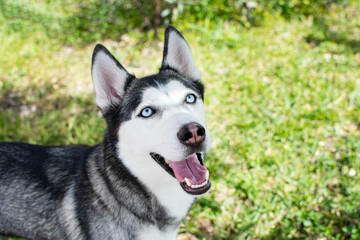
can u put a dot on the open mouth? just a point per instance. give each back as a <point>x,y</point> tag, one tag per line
<point>190,172</point>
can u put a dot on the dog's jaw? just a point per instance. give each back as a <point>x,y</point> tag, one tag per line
<point>165,187</point>
<point>197,188</point>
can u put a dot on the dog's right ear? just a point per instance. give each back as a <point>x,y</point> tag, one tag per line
<point>109,78</point>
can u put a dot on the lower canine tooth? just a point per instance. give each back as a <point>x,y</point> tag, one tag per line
<point>207,175</point>
<point>188,182</point>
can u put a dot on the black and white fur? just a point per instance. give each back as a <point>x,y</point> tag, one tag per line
<point>113,190</point>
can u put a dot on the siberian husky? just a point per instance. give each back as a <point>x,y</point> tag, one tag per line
<point>139,182</point>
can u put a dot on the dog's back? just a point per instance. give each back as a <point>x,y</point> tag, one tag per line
<point>33,181</point>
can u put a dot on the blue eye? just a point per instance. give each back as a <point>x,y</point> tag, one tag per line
<point>191,98</point>
<point>147,112</point>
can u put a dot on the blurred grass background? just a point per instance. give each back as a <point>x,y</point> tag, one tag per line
<point>283,100</point>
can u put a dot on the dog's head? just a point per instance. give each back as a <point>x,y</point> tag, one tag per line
<point>157,122</point>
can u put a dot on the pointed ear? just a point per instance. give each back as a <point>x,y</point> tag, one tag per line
<point>109,78</point>
<point>177,55</point>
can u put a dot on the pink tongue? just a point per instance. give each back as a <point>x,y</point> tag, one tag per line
<point>189,168</point>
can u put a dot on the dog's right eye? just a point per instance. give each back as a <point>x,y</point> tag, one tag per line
<point>147,112</point>
<point>191,98</point>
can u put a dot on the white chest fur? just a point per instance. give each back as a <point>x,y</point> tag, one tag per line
<point>151,232</point>
<point>166,189</point>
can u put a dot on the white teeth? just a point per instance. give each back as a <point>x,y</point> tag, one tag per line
<point>198,186</point>
<point>188,182</point>
<point>167,161</point>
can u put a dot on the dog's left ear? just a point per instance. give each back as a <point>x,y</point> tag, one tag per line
<point>177,55</point>
<point>109,77</point>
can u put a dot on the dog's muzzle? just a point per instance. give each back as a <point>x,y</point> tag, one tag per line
<point>190,172</point>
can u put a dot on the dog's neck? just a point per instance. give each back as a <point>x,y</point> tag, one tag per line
<point>164,201</point>
<point>157,182</point>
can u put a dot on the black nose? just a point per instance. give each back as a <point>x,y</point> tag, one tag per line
<point>191,133</point>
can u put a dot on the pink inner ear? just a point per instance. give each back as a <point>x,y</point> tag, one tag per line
<point>180,56</point>
<point>110,83</point>
<point>114,93</point>
<point>182,61</point>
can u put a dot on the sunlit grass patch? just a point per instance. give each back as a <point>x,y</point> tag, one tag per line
<point>284,116</point>
<point>283,111</point>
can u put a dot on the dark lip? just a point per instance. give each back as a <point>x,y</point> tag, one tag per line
<point>196,191</point>
<point>193,191</point>
<point>161,161</point>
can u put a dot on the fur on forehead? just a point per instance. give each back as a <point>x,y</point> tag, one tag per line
<point>133,95</point>
<point>161,79</point>
<point>134,92</point>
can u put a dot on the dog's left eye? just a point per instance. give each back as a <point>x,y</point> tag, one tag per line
<point>191,98</point>
<point>147,112</point>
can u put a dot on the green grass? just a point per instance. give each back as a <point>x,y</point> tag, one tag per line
<point>282,103</point>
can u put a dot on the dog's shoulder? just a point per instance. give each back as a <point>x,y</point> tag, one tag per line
<point>53,166</point>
